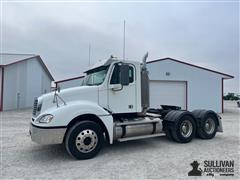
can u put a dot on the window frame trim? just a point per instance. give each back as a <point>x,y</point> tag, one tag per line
<point>134,73</point>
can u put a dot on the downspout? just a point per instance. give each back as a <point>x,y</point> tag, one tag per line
<point>2,87</point>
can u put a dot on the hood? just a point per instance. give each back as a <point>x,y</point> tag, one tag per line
<point>87,93</point>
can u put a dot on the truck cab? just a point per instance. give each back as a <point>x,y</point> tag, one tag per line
<point>118,92</point>
<point>112,104</point>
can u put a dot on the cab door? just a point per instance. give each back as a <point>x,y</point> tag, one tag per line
<point>122,98</point>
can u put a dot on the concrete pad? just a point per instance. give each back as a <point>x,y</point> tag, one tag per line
<point>155,158</point>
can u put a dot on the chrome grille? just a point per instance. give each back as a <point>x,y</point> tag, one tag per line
<point>35,104</point>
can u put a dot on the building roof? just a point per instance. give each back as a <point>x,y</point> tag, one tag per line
<point>227,76</point>
<point>7,59</point>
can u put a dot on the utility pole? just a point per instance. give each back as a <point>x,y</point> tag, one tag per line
<point>124,24</point>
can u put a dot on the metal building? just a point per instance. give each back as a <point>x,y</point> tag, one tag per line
<point>174,82</point>
<point>22,78</point>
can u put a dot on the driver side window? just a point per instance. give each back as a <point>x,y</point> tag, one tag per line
<point>115,79</point>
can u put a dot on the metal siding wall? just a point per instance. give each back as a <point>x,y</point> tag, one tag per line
<point>33,81</point>
<point>14,86</point>
<point>204,87</point>
<point>0,87</point>
<point>23,82</point>
<point>205,93</point>
<point>10,87</point>
<point>46,82</point>
<point>37,81</point>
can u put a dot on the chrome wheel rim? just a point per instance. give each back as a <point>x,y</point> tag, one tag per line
<point>86,141</point>
<point>186,128</point>
<point>209,126</point>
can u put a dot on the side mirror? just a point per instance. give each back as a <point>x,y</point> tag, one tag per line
<point>124,74</point>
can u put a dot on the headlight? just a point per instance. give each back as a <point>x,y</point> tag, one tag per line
<point>47,118</point>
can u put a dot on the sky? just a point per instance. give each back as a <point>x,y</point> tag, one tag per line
<point>202,33</point>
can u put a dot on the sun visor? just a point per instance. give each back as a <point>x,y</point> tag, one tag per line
<point>99,64</point>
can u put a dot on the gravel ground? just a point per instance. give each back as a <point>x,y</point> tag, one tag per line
<point>155,158</point>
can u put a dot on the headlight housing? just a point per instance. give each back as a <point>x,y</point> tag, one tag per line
<point>47,118</point>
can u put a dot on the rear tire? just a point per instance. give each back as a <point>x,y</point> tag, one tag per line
<point>184,129</point>
<point>207,127</point>
<point>84,140</point>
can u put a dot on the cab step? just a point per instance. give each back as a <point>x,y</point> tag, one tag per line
<point>139,137</point>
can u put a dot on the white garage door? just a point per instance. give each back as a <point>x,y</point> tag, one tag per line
<point>168,93</point>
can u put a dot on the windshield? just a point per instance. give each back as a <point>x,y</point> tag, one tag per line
<point>96,76</point>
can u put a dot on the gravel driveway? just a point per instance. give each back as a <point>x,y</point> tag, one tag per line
<point>155,158</point>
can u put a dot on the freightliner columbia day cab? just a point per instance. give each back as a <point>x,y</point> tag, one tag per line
<point>113,105</point>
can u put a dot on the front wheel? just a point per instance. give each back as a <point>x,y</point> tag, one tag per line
<point>84,140</point>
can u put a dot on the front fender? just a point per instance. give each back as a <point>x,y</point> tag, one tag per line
<point>64,114</point>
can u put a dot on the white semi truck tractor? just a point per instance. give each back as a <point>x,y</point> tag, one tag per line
<point>113,105</point>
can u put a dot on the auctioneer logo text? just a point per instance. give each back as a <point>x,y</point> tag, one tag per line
<point>212,168</point>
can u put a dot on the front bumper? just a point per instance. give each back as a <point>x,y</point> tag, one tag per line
<point>47,135</point>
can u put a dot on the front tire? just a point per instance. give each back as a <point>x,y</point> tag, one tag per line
<point>84,140</point>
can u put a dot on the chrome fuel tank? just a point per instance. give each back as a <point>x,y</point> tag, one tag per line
<point>131,130</point>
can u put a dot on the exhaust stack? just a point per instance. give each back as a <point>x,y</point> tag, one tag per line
<point>144,60</point>
<point>144,85</point>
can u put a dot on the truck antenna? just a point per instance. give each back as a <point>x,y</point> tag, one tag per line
<point>89,55</point>
<point>124,24</point>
